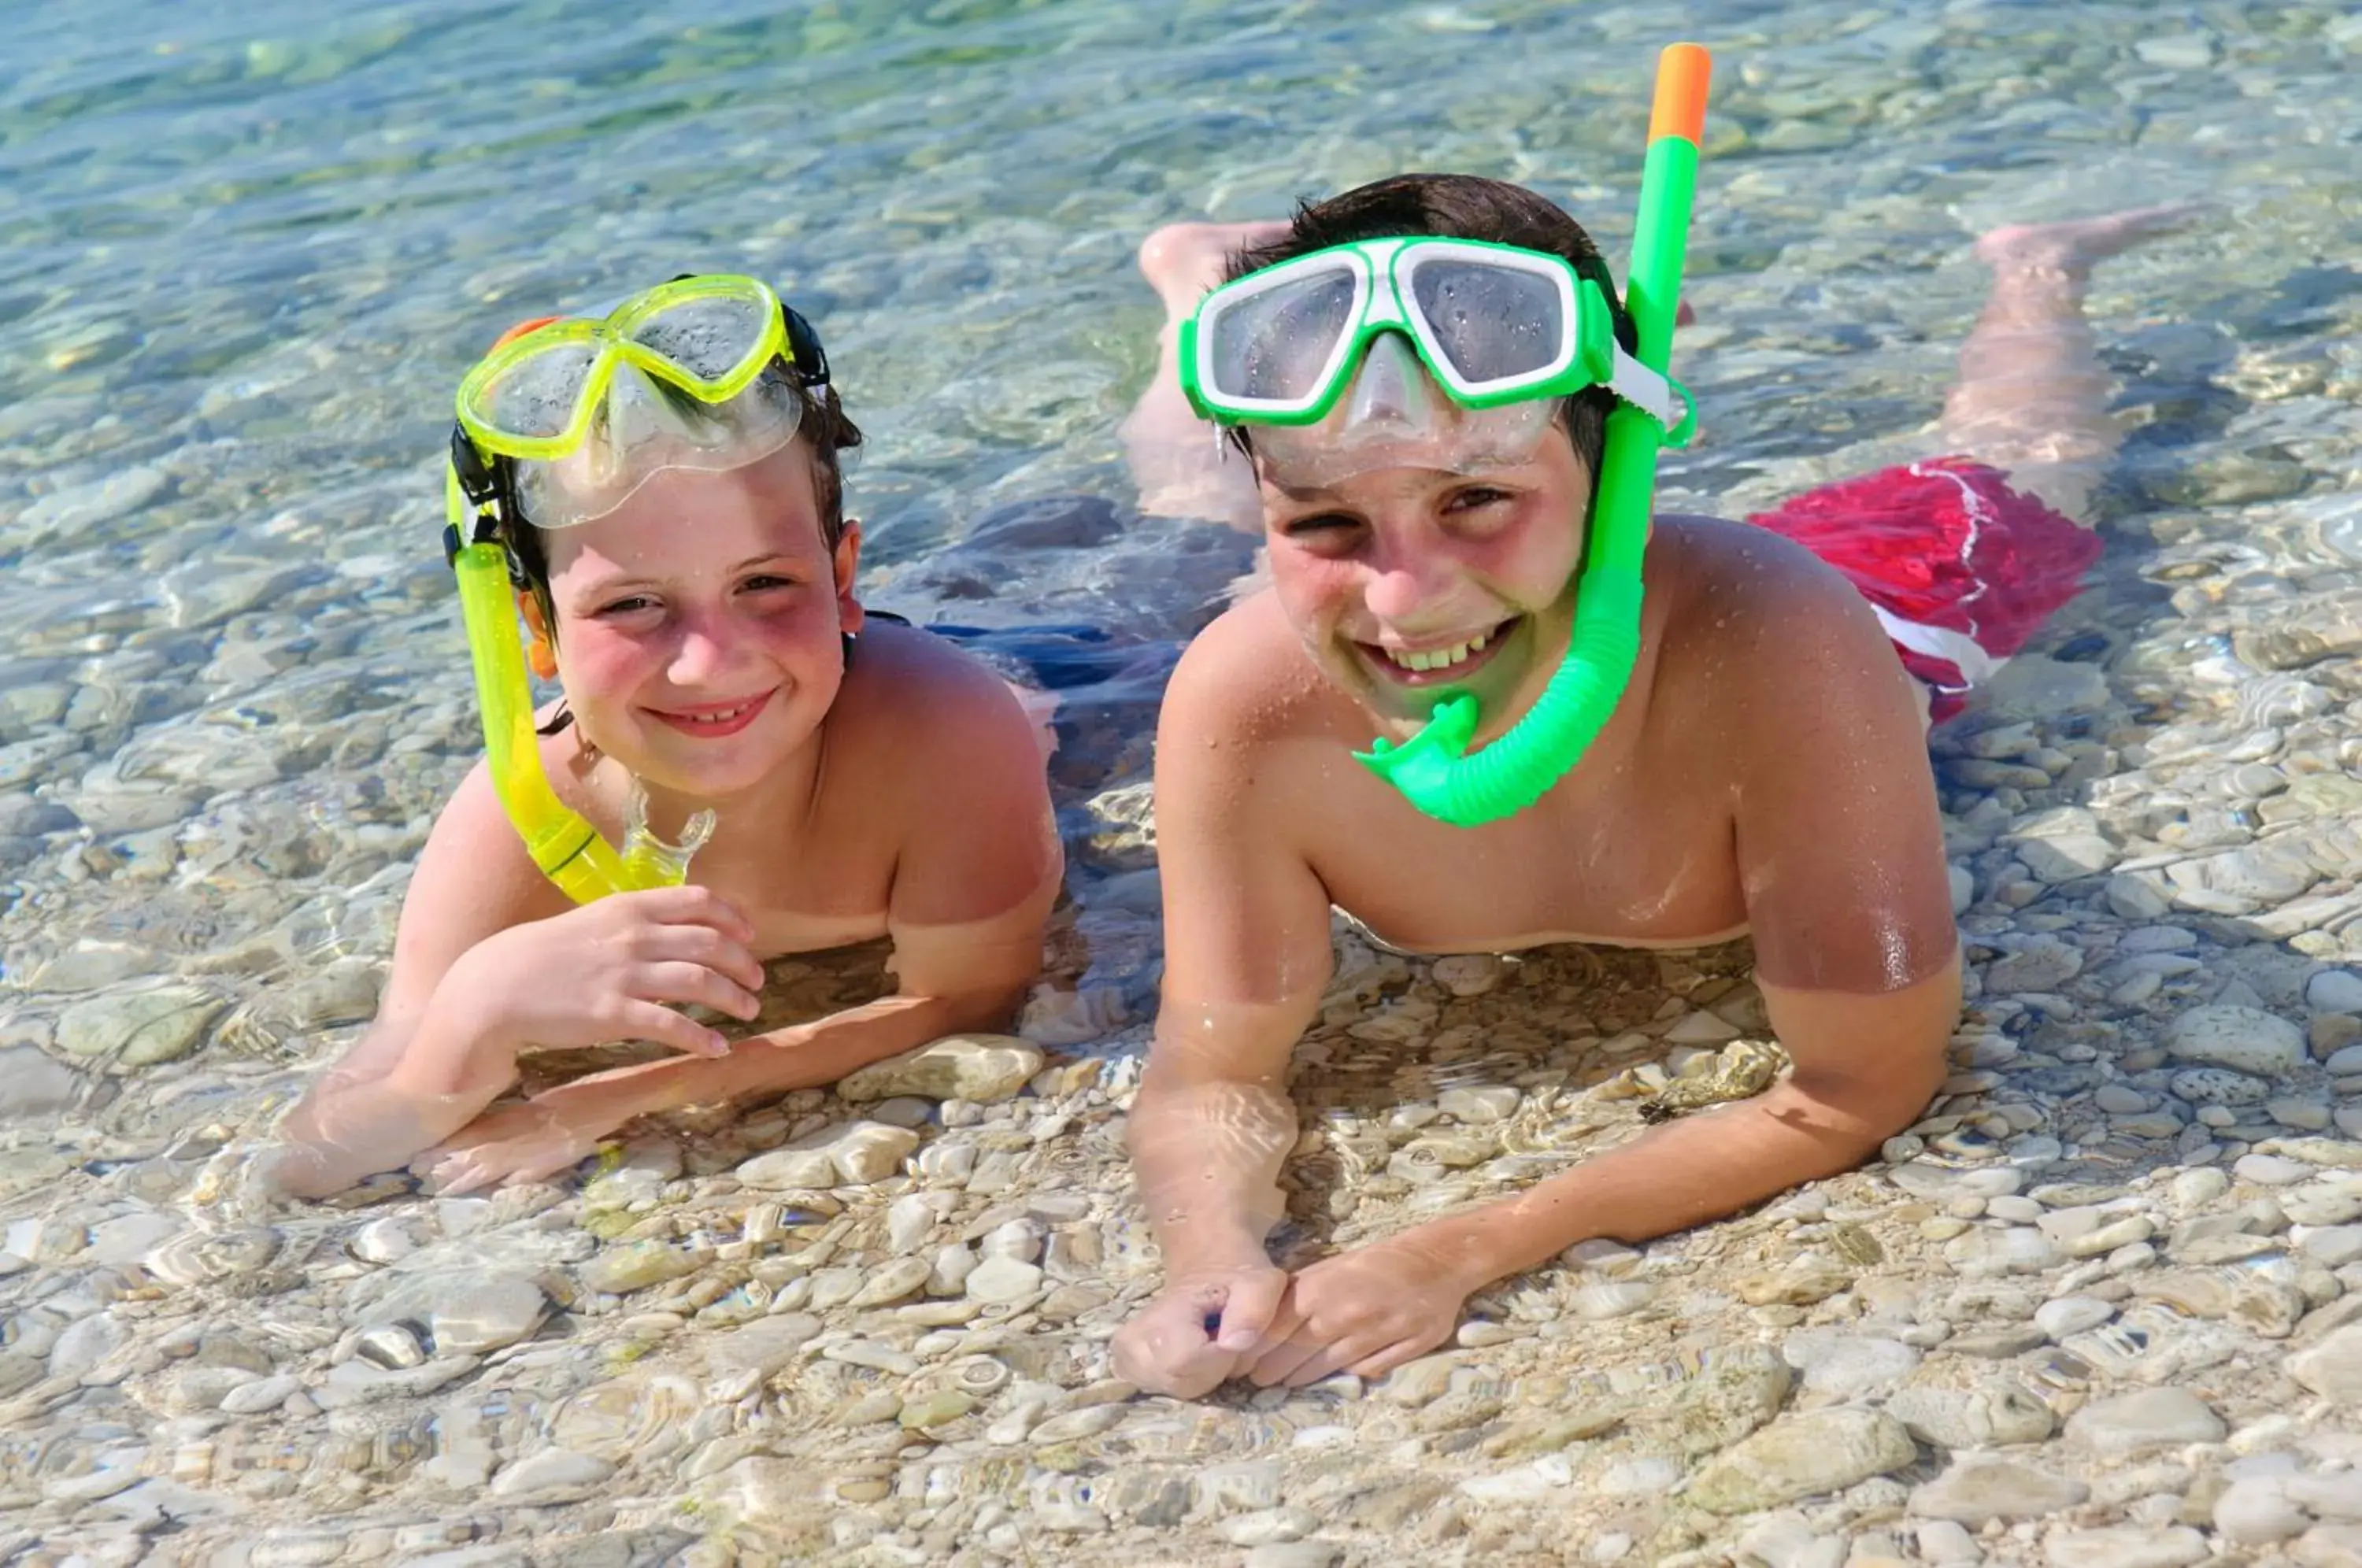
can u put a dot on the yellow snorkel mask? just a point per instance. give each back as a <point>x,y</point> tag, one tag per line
<point>558,425</point>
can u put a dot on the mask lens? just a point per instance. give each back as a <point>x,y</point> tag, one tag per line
<point>1491,323</point>
<point>645,427</point>
<point>708,336</point>
<point>534,398</point>
<point>1271,347</point>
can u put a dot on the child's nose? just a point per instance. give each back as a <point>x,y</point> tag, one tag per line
<point>1394,595</point>
<point>1398,590</point>
<point>701,655</point>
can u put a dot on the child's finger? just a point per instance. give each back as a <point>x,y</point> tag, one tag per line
<point>1174,1356</point>
<point>1334,1359</point>
<point>455,1175</point>
<point>1281,1362</point>
<point>1389,1358</point>
<point>1251,1309</point>
<point>715,949</point>
<point>681,982</point>
<point>700,906</point>
<point>662,1026</point>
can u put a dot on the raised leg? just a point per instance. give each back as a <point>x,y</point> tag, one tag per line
<point>2032,398</point>
<point>1176,459</point>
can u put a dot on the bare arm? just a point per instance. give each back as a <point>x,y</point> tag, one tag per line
<point>1247,957</point>
<point>434,1057</point>
<point>1211,1126</point>
<point>1865,1067</point>
<point>490,958</point>
<point>1840,856</point>
<point>976,869</point>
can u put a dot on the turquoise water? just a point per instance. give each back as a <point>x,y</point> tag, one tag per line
<point>252,247</point>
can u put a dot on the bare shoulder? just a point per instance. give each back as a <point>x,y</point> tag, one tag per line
<point>476,866</point>
<point>1247,680</point>
<point>1751,613</point>
<point>916,689</point>
<point>917,718</point>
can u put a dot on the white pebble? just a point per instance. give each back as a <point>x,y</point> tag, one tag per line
<point>2333,991</point>
<point>2192,1189</point>
<point>1020,1239</point>
<point>2255,1510</point>
<point>908,1218</point>
<point>2072,1315</point>
<point>1265,1526</point>
<point>1003,1279</point>
<point>2270,1170</point>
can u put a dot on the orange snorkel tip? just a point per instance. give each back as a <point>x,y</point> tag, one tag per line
<point>1683,74</point>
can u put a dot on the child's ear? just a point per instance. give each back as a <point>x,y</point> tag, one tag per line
<point>541,650</point>
<point>849,613</point>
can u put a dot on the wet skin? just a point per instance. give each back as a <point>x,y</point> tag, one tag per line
<point>1765,771</point>
<point>699,637</point>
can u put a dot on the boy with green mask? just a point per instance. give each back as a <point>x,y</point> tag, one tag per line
<point>1763,772</point>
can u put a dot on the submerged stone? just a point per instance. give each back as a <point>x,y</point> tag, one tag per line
<point>139,1027</point>
<point>1802,1457</point>
<point>982,1068</point>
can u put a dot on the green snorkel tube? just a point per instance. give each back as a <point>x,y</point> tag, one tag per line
<point>1434,769</point>
<point>562,843</point>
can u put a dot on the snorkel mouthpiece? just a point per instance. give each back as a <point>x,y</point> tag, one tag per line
<point>1434,769</point>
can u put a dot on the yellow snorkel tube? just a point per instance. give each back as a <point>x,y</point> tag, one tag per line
<point>562,843</point>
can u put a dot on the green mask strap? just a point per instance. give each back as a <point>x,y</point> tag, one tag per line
<point>1434,769</point>
<point>562,843</point>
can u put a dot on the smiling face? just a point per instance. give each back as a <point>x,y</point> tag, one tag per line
<point>1409,584</point>
<point>699,624</point>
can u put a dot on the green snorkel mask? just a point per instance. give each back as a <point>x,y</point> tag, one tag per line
<point>579,412</point>
<point>1504,333</point>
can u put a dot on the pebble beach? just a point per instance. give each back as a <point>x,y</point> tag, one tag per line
<point>2101,1307</point>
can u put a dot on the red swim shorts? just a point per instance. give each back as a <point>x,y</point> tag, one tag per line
<point>1961,569</point>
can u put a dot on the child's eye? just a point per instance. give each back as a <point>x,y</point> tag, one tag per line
<point>1470,497</point>
<point>629,604</point>
<point>1320,523</point>
<point>765,581</point>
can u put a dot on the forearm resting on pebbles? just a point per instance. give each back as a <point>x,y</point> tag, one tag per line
<point>354,1123</point>
<point>1865,1067</point>
<point>799,1055</point>
<point>1211,1126</point>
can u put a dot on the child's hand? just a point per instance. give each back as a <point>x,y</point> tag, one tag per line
<point>527,1142</point>
<point>605,971</point>
<point>1200,1329</point>
<point>1366,1312</point>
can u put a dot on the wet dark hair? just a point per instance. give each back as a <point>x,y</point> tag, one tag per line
<point>1455,206</point>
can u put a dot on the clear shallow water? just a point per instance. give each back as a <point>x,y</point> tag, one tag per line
<point>252,247</point>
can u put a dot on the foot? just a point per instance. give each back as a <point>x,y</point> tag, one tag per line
<point>1182,260</point>
<point>2072,247</point>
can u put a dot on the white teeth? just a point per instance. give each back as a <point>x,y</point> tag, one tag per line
<point>718,718</point>
<point>1442,659</point>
